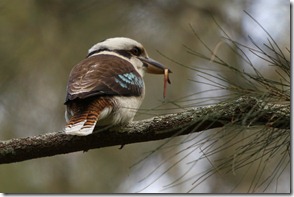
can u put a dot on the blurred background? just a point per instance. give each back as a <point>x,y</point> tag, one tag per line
<point>40,42</point>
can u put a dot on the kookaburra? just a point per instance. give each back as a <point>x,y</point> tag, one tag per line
<point>107,87</point>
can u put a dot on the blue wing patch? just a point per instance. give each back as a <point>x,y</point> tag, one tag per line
<point>126,79</point>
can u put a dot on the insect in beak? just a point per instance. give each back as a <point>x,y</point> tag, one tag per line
<point>154,67</point>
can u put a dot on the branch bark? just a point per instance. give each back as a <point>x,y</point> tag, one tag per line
<point>245,111</point>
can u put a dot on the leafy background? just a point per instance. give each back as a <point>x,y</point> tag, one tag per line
<point>40,41</point>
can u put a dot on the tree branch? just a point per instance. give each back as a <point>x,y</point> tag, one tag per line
<point>245,111</point>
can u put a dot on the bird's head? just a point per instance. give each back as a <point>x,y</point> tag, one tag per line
<point>130,50</point>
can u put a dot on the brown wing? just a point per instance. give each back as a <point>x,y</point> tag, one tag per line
<point>103,75</point>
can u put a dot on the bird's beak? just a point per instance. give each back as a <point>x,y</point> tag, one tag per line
<point>153,66</point>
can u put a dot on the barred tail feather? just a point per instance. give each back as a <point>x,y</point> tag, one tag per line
<point>84,116</point>
<point>82,125</point>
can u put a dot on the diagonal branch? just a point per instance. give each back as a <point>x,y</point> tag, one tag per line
<point>245,111</point>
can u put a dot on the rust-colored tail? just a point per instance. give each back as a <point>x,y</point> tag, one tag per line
<point>86,115</point>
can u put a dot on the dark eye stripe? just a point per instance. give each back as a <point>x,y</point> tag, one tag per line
<point>126,53</point>
<point>123,53</point>
<point>97,51</point>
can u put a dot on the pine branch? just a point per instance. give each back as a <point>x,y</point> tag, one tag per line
<point>246,111</point>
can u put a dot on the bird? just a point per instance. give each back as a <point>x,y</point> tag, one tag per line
<point>107,87</point>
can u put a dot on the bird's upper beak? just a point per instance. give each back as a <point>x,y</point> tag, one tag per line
<point>153,66</point>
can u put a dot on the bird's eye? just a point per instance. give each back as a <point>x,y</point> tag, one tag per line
<point>136,51</point>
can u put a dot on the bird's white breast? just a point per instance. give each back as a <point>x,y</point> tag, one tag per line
<point>124,111</point>
<point>126,108</point>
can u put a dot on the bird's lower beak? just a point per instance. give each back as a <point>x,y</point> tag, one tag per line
<point>153,66</point>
